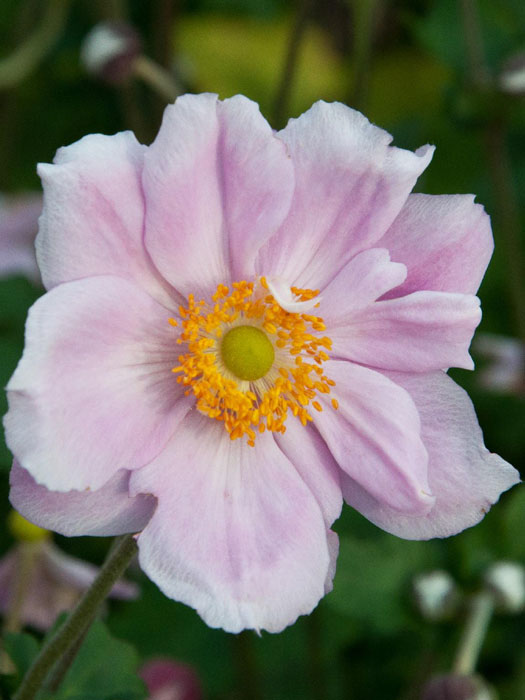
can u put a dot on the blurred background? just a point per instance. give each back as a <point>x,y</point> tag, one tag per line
<point>447,72</point>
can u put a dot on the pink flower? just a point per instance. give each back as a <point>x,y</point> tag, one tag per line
<point>170,680</point>
<point>18,227</point>
<point>182,377</point>
<point>55,582</point>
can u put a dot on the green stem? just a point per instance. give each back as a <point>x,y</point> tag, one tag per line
<point>474,632</point>
<point>475,54</point>
<point>300,23</point>
<point>365,12</point>
<point>28,55</point>
<point>157,77</point>
<point>507,223</point>
<point>248,681</point>
<point>58,672</point>
<point>80,618</point>
<point>508,226</point>
<point>314,655</point>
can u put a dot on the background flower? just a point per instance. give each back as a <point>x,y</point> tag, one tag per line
<point>18,227</point>
<point>52,580</point>
<point>170,680</point>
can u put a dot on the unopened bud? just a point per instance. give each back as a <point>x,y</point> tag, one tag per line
<point>436,595</point>
<point>457,687</point>
<point>512,77</point>
<point>24,531</point>
<point>506,579</point>
<point>109,51</point>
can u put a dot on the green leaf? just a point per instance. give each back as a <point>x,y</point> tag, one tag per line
<point>22,649</point>
<point>104,669</point>
<point>373,577</point>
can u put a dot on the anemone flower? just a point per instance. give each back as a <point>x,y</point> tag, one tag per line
<point>243,328</point>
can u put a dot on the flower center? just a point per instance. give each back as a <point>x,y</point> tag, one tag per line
<point>247,352</point>
<point>248,361</point>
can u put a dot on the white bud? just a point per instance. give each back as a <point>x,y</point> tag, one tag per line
<point>109,50</point>
<point>512,77</point>
<point>506,579</point>
<point>436,594</point>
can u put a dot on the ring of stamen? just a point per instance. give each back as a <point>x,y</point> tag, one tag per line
<point>283,374</point>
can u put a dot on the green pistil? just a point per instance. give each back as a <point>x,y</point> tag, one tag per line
<point>247,352</point>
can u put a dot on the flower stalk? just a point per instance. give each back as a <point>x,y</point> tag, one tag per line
<point>80,618</point>
<point>157,77</point>
<point>474,632</point>
<point>23,61</point>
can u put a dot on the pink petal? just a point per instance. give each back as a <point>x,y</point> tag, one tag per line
<point>465,478</point>
<point>359,283</point>
<point>307,451</point>
<point>93,392</point>
<point>374,436</point>
<point>237,533</point>
<point>417,333</point>
<point>80,574</point>
<point>93,218</point>
<point>287,300</point>
<point>350,186</point>
<point>218,184</point>
<point>108,511</point>
<point>445,241</point>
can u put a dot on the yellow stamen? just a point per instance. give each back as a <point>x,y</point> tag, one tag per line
<point>284,371</point>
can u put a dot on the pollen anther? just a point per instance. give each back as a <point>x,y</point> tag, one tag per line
<point>288,351</point>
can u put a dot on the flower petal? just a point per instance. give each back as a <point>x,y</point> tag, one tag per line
<point>287,300</point>
<point>218,183</point>
<point>350,186</point>
<point>445,241</point>
<point>307,451</point>
<point>374,436</point>
<point>93,217</point>
<point>237,533</point>
<point>465,478</point>
<point>80,574</point>
<point>93,392</point>
<point>417,333</point>
<point>108,511</point>
<point>360,282</point>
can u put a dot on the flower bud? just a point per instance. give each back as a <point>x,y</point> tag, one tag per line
<point>167,679</point>
<point>512,77</point>
<point>457,687</point>
<point>436,594</point>
<point>24,531</point>
<point>504,369</point>
<point>109,51</point>
<point>506,579</point>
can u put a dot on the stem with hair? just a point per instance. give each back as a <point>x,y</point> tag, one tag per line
<point>80,618</point>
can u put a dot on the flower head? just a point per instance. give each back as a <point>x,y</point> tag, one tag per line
<point>242,328</point>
